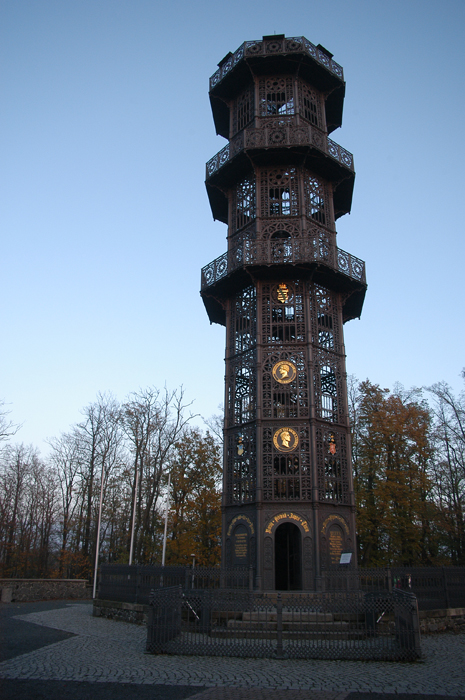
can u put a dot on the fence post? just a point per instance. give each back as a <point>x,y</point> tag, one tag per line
<point>416,629</point>
<point>446,592</point>
<point>251,578</point>
<point>137,584</point>
<point>279,627</point>
<point>186,579</point>
<point>389,580</point>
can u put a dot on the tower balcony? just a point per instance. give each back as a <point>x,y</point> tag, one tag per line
<point>284,135</point>
<point>275,46</point>
<point>326,264</point>
<point>280,142</point>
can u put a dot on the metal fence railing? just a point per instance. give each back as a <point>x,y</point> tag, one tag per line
<point>132,584</point>
<point>337,625</point>
<point>434,587</point>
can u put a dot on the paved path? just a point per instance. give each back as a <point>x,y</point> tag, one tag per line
<point>111,654</point>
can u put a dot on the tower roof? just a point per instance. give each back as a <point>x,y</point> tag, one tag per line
<point>273,55</point>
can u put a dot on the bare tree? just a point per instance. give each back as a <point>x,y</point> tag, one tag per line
<point>28,510</point>
<point>152,420</point>
<point>7,427</point>
<point>449,412</point>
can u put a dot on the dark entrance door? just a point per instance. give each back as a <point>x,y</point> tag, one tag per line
<point>287,557</point>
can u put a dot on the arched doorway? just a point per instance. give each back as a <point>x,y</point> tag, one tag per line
<point>287,558</point>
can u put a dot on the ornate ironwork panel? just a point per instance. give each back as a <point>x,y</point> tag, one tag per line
<point>242,391</point>
<point>241,473</point>
<point>279,192</point>
<point>276,96</point>
<point>244,202</point>
<point>243,321</point>
<point>328,386</point>
<point>243,112</point>
<point>279,131</point>
<point>286,476</point>
<point>325,315</point>
<point>285,385</point>
<point>283,228</point>
<point>310,104</point>
<point>316,200</point>
<point>333,473</point>
<point>289,45</point>
<point>283,319</point>
<point>318,248</point>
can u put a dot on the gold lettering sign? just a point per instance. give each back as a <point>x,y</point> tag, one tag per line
<point>286,516</point>
<point>285,439</point>
<point>332,519</point>
<point>238,518</point>
<point>240,545</point>
<point>336,546</point>
<point>284,372</point>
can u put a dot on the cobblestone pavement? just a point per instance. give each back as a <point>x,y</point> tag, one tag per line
<point>108,651</point>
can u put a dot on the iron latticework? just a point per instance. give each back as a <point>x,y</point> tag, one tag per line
<point>283,290</point>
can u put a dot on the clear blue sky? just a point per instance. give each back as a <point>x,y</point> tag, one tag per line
<point>105,223</point>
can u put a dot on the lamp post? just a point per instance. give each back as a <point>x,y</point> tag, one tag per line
<point>193,569</point>
<point>97,544</point>
<point>166,520</point>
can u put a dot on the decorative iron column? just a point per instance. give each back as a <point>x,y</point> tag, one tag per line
<point>283,290</point>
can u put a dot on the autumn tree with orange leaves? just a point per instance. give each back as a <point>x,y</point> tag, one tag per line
<point>392,459</point>
<point>195,500</point>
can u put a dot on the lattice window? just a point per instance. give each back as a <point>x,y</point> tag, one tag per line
<point>276,97</point>
<point>241,466</point>
<point>245,203</point>
<point>285,405</point>
<point>325,331</point>
<point>328,385</point>
<point>286,477</point>
<point>242,389</point>
<point>328,388</point>
<point>325,317</point>
<point>283,313</point>
<point>310,104</point>
<point>316,200</point>
<point>285,400</point>
<point>243,110</point>
<point>333,478</point>
<point>279,193</point>
<point>243,321</point>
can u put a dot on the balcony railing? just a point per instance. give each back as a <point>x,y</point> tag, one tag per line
<point>280,135</point>
<point>278,252</point>
<point>272,47</point>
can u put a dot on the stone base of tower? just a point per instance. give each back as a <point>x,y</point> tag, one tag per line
<point>299,545</point>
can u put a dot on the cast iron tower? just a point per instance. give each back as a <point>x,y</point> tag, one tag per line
<point>283,290</point>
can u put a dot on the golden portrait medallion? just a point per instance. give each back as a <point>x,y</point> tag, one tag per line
<point>284,372</point>
<point>285,439</point>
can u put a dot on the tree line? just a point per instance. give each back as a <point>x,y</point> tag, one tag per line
<point>120,454</point>
<point>408,455</point>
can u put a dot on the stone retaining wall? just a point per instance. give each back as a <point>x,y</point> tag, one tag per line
<point>127,612</point>
<point>450,620</point>
<point>14,590</point>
